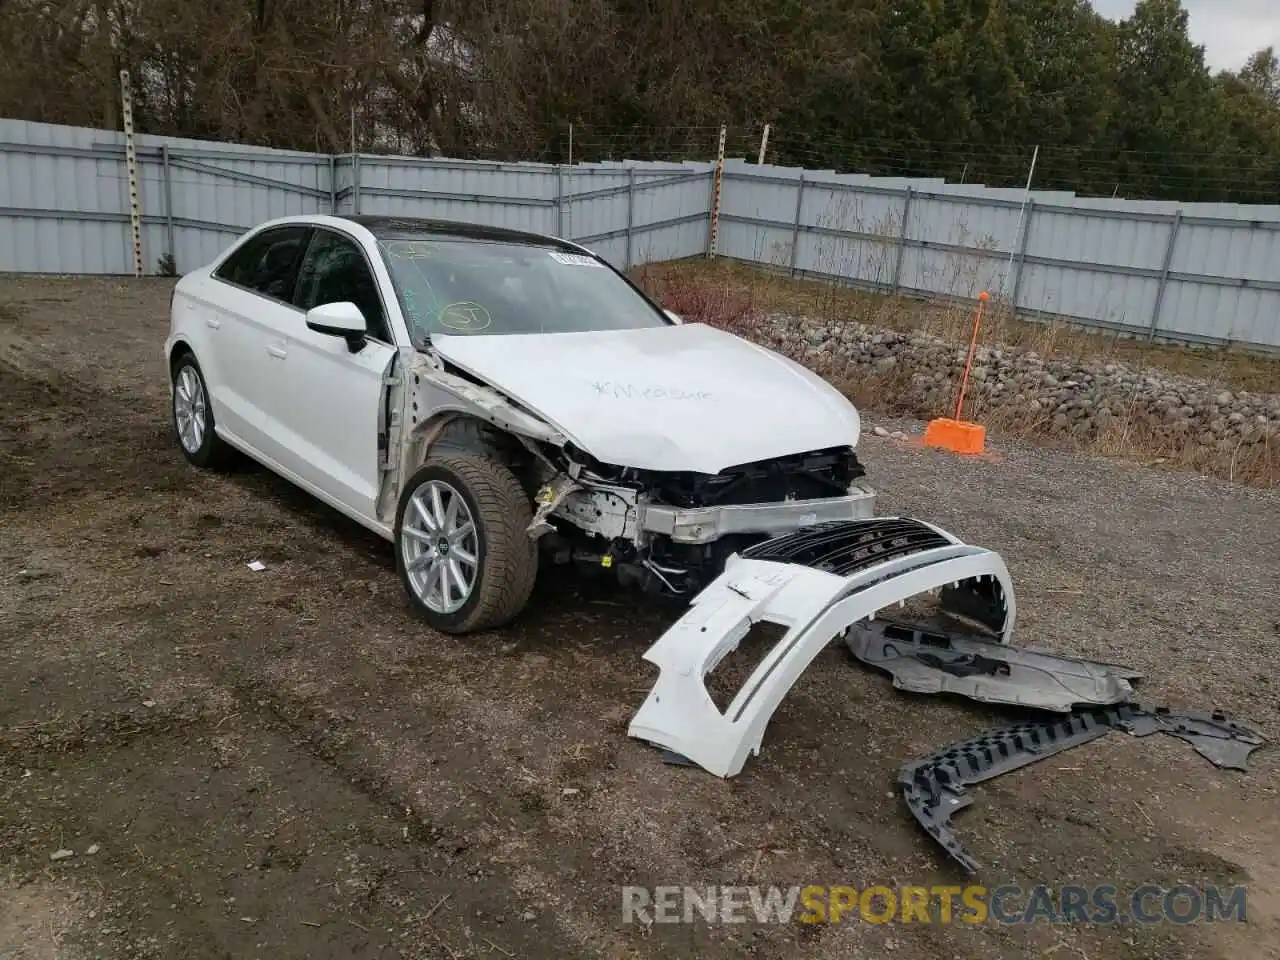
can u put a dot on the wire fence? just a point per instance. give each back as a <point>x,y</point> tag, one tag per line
<point>1194,272</point>
<point>1116,173</point>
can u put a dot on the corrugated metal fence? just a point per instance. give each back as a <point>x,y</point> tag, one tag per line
<point>64,199</point>
<point>1192,272</point>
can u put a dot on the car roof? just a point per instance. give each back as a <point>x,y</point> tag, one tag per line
<point>402,228</point>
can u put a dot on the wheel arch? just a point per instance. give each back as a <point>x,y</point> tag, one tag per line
<point>462,432</point>
<point>459,431</point>
<point>177,351</point>
<point>432,412</point>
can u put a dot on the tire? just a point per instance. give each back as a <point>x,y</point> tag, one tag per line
<point>190,391</point>
<point>503,561</point>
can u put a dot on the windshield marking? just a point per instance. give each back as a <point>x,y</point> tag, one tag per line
<point>465,315</point>
<point>574,259</point>
<point>463,287</point>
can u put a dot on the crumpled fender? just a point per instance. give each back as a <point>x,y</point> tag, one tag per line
<point>441,392</point>
<point>816,582</point>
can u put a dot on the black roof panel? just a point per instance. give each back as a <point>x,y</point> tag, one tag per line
<point>400,228</point>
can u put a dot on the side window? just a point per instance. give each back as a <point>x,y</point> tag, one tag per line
<point>334,270</point>
<point>268,262</point>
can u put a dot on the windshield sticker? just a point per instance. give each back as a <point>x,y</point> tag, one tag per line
<point>465,316</point>
<point>575,259</point>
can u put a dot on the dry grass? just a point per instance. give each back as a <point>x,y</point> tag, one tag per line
<point>725,289</point>
<point>738,297</point>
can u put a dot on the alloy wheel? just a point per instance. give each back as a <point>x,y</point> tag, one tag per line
<point>441,547</point>
<point>189,408</point>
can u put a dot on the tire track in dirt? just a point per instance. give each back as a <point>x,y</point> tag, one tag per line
<point>312,680</point>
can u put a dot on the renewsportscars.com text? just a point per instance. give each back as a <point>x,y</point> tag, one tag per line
<point>1009,904</point>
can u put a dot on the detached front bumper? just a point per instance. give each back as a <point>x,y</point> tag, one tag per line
<point>816,583</point>
<point>698,525</point>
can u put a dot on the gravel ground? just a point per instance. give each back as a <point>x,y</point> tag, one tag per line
<point>287,764</point>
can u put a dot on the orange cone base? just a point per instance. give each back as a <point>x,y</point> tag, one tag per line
<point>958,436</point>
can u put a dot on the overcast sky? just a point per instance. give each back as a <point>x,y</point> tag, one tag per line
<point>1229,30</point>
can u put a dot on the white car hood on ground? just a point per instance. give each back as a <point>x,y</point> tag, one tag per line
<point>684,397</point>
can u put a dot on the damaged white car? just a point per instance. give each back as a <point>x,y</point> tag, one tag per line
<point>492,400</point>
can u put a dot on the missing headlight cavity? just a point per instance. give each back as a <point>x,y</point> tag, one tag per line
<point>978,601</point>
<point>728,676</point>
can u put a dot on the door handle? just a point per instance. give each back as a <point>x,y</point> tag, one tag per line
<point>212,322</point>
<point>277,351</point>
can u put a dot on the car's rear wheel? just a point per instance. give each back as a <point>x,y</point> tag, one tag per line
<point>193,416</point>
<point>463,550</point>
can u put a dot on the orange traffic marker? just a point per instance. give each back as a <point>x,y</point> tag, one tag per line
<point>954,434</point>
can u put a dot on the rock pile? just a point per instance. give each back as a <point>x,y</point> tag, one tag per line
<point>1070,397</point>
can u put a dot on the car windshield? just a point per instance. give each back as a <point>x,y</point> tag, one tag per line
<point>482,287</point>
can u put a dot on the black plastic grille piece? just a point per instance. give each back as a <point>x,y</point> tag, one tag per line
<point>934,787</point>
<point>844,547</point>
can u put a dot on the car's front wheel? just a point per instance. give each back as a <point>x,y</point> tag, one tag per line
<point>463,550</point>
<point>193,416</point>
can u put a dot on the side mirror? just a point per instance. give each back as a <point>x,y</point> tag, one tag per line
<point>341,319</point>
<point>674,317</point>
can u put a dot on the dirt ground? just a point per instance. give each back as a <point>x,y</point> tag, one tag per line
<point>287,764</point>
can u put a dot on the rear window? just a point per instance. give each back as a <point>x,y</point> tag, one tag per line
<point>486,288</point>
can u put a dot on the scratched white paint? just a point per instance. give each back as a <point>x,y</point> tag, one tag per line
<point>686,397</point>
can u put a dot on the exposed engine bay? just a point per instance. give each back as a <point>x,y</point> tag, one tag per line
<point>670,532</point>
<point>666,532</point>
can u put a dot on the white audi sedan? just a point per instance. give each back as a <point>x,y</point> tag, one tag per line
<point>490,400</point>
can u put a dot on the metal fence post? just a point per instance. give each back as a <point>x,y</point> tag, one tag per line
<point>1022,254</point>
<point>355,183</point>
<point>333,185</point>
<point>131,166</point>
<point>713,236</point>
<point>902,238</point>
<point>568,202</point>
<point>168,206</point>
<point>560,200</point>
<point>1164,275</point>
<point>631,210</point>
<point>795,229</point>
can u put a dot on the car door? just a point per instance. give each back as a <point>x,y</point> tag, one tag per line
<point>250,301</point>
<point>330,396</point>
